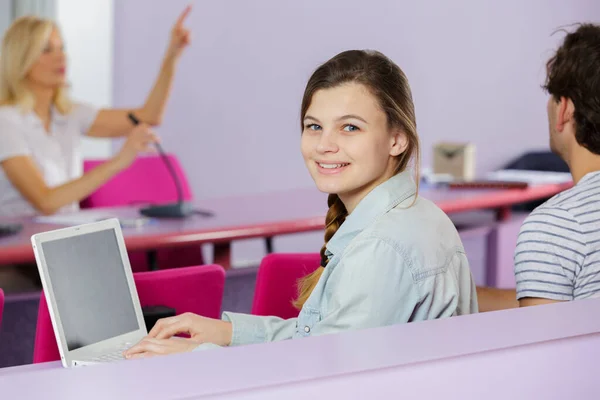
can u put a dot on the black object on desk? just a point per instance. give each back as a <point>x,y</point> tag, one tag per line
<point>536,161</point>
<point>10,229</point>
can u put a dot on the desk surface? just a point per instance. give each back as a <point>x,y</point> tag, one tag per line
<point>261,216</point>
<point>537,352</point>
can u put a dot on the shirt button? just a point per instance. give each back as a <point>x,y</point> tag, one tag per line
<point>307,329</point>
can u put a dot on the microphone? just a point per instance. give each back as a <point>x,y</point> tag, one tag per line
<point>180,209</point>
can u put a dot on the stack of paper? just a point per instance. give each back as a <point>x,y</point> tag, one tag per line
<point>531,177</point>
<point>80,218</point>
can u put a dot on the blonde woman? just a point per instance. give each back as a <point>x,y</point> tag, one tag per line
<point>40,128</point>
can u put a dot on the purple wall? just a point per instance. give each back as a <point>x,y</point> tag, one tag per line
<point>475,68</point>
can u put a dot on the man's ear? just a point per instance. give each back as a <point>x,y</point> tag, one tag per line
<point>566,111</point>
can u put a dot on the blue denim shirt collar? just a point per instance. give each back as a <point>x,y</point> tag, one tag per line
<point>379,201</point>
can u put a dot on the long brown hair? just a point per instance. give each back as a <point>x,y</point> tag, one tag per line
<point>386,81</point>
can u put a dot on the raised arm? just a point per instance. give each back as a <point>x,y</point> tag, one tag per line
<point>114,122</point>
<point>26,177</point>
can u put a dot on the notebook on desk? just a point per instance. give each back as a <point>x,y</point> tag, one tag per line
<point>91,295</point>
<point>531,177</point>
<point>90,216</point>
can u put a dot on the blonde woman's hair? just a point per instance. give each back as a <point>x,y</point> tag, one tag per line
<point>23,44</point>
<point>388,83</point>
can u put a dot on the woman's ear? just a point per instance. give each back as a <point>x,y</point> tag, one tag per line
<point>399,143</point>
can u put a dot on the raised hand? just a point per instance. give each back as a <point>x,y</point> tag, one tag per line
<point>180,35</point>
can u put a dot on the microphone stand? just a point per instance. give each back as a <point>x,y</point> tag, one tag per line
<point>180,209</point>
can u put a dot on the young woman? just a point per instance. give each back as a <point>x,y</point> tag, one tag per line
<point>40,128</point>
<point>389,256</point>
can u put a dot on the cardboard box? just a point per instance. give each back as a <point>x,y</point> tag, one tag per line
<point>456,159</point>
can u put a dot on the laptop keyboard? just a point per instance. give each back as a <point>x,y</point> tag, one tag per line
<point>114,356</point>
<point>117,355</point>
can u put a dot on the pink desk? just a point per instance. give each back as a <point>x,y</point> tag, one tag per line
<point>264,215</point>
<point>544,352</point>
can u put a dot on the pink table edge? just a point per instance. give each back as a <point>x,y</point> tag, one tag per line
<point>502,198</point>
<point>489,199</point>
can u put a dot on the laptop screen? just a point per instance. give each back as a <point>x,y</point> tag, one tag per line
<point>90,288</point>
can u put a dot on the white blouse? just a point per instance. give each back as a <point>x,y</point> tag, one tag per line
<point>56,153</point>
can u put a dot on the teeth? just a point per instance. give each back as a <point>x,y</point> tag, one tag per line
<point>332,166</point>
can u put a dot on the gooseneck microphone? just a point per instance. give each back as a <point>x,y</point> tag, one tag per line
<point>180,209</point>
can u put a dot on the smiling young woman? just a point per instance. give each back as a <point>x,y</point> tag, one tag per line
<point>389,256</point>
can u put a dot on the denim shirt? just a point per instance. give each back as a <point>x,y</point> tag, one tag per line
<point>390,262</point>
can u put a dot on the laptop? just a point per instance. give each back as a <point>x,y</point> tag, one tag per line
<point>91,294</point>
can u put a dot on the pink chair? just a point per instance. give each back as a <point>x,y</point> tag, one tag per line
<point>196,289</point>
<point>1,304</point>
<point>146,181</point>
<point>277,283</point>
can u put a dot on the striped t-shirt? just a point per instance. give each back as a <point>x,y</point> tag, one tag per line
<point>558,251</point>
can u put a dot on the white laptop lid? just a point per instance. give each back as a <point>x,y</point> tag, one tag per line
<point>89,288</point>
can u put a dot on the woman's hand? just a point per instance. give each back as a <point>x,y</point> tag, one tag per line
<point>180,36</point>
<point>160,340</point>
<point>139,140</point>
<point>149,347</point>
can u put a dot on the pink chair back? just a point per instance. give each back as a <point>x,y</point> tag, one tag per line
<point>146,181</point>
<point>197,289</point>
<point>1,305</point>
<point>277,283</point>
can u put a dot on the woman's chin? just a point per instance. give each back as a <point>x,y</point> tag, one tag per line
<point>330,187</point>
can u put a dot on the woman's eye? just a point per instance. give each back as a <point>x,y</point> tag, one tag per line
<point>350,128</point>
<point>312,127</point>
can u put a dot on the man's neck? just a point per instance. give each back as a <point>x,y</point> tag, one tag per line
<point>582,162</point>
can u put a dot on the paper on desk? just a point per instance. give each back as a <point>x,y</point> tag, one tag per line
<point>71,219</point>
<point>531,177</point>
